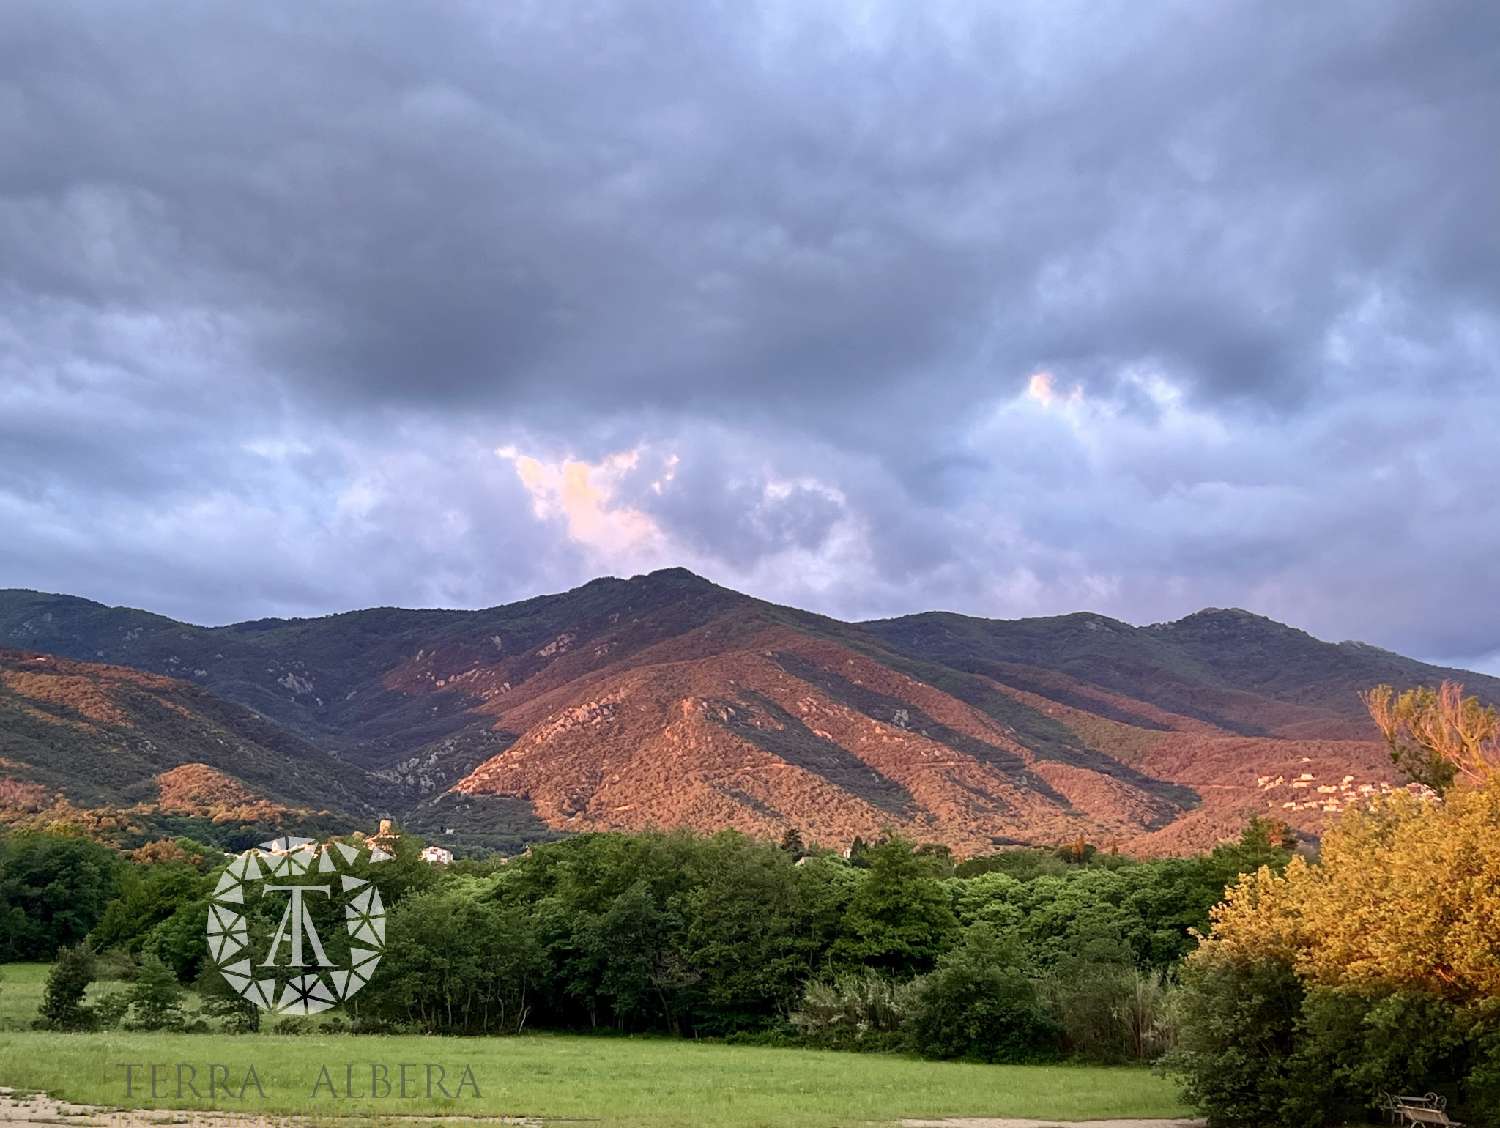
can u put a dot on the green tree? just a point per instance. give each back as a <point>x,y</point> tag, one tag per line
<point>899,920</point>
<point>147,896</point>
<point>982,1002</point>
<point>456,961</point>
<point>606,908</point>
<point>53,889</point>
<point>156,996</point>
<point>67,984</point>
<point>181,943</point>
<point>750,938</point>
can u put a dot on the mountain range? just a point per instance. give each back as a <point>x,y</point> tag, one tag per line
<point>668,701</point>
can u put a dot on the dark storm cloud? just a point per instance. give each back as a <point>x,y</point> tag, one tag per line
<point>759,288</point>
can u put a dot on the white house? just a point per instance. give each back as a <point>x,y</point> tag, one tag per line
<point>436,856</point>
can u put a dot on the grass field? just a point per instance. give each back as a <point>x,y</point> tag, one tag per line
<point>616,1082</point>
<point>21,986</point>
<point>20,994</point>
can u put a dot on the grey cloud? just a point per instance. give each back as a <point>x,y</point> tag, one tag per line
<point>274,284</point>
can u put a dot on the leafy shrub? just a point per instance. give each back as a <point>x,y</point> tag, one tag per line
<point>1257,1048</point>
<point>1353,1045</point>
<point>156,996</point>
<point>217,1000</point>
<point>784,1036</point>
<point>1482,1086</point>
<point>114,963</point>
<point>110,1009</point>
<point>1236,1025</point>
<point>854,1011</point>
<point>981,1002</point>
<point>1110,1011</point>
<point>67,983</point>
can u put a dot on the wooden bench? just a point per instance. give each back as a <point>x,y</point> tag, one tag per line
<point>1421,1114</point>
<point>1430,1108</point>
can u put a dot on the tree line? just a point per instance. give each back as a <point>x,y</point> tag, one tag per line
<point>1021,955</point>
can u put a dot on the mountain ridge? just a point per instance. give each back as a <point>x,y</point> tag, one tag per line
<point>668,700</point>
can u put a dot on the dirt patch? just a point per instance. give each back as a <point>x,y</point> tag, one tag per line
<point>20,1110</point>
<point>1013,1122</point>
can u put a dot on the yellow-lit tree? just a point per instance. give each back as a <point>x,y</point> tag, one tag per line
<point>1376,967</point>
<point>1437,735</point>
<point>1406,895</point>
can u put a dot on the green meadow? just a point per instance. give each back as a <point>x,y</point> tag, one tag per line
<point>21,993</point>
<point>614,1081</point>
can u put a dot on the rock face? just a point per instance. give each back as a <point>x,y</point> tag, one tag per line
<point>666,701</point>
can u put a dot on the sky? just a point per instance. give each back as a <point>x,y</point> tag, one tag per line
<point>870,308</point>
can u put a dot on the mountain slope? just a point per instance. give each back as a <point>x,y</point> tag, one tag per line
<point>88,737</point>
<point>1238,671</point>
<point>666,700</point>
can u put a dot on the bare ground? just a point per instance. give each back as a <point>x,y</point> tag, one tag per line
<point>1015,1122</point>
<point>23,1110</point>
<point>18,1110</point>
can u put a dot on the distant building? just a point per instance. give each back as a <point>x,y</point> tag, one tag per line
<point>436,856</point>
<point>385,838</point>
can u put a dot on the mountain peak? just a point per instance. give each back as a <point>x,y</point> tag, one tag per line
<point>676,575</point>
<point>1224,618</point>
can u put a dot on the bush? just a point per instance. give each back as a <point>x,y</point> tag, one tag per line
<point>1236,1027</point>
<point>156,997</point>
<point>1110,1011</point>
<point>216,999</point>
<point>981,1002</point>
<point>67,983</point>
<point>855,1011</point>
<point>110,1010</point>
<point>1482,1086</point>
<point>114,963</point>
<point>1257,1048</point>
